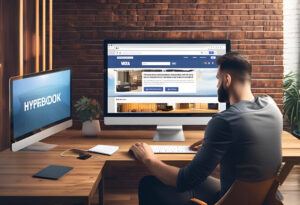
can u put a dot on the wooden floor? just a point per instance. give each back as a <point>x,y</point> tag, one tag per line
<point>290,190</point>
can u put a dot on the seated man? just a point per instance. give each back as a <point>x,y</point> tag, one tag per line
<point>245,140</point>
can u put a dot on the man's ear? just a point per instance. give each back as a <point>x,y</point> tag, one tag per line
<point>228,80</point>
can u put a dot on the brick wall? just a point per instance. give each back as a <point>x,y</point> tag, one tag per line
<point>255,28</point>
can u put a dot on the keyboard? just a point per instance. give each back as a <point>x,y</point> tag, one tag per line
<point>175,149</point>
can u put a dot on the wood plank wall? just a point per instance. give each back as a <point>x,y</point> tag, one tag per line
<point>9,46</point>
<point>1,70</point>
<point>36,18</point>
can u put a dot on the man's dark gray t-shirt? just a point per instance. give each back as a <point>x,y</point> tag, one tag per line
<point>245,139</point>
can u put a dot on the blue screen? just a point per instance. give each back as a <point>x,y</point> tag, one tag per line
<point>39,101</point>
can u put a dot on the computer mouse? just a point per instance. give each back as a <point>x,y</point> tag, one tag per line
<point>84,156</point>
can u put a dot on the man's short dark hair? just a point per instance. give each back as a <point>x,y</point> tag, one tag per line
<point>236,65</point>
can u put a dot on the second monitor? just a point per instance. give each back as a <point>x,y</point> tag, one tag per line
<point>40,106</point>
<point>163,83</point>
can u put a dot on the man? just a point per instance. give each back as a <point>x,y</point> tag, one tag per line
<point>245,140</point>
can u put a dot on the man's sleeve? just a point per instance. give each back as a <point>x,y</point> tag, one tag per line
<point>217,140</point>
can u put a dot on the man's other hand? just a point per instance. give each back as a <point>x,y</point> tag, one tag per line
<point>196,146</point>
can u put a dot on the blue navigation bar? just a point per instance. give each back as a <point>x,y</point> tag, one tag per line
<point>161,61</point>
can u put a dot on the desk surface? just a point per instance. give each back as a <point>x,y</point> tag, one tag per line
<point>17,168</point>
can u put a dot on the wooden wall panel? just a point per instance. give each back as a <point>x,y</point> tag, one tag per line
<point>29,36</point>
<point>36,36</point>
<point>21,48</point>
<point>9,49</point>
<point>1,72</point>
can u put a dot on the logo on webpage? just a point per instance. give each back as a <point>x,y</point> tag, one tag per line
<point>125,63</point>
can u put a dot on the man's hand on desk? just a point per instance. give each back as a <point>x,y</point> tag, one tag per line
<point>142,152</point>
<point>166,173</point>
<point>196,146</point>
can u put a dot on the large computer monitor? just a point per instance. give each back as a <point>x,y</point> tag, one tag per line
<point>40,106</point>
<point>164,83</point>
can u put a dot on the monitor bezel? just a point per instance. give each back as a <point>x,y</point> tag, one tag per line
<point>26,135</point>
<point>105,94</point>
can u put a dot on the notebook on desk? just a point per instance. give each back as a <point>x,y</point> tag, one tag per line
<point>53,172</point>
<point>104,149</point>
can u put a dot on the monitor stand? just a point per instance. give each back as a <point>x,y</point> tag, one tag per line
<point>169,133</point>
<point>39,146</point>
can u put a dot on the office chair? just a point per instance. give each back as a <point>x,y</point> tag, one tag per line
<point>248,193</point>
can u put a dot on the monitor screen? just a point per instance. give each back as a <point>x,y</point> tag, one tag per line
<point>162,78</point>
<point>38,101</point>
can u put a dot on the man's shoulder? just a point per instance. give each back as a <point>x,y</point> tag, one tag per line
<point>261,104</point>
<point>227,114</point>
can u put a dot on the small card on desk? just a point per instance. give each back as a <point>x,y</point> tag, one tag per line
<point>104,149</point>
<point>53,172</point>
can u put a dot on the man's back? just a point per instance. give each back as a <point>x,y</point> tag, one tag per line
<point>256,152</point>
<point>246,141</point>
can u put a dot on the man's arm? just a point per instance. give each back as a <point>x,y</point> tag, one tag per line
<point>165,173</point>
<point>217,140</point>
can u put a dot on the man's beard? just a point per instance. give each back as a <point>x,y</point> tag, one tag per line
<point>223,95</point>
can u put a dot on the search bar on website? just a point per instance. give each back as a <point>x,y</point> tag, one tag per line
<point>156,63</point>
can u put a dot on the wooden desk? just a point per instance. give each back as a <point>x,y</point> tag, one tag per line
<point>78,186</point>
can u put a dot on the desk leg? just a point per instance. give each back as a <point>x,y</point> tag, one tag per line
<point>101,192</point>
<point>284,172</point>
